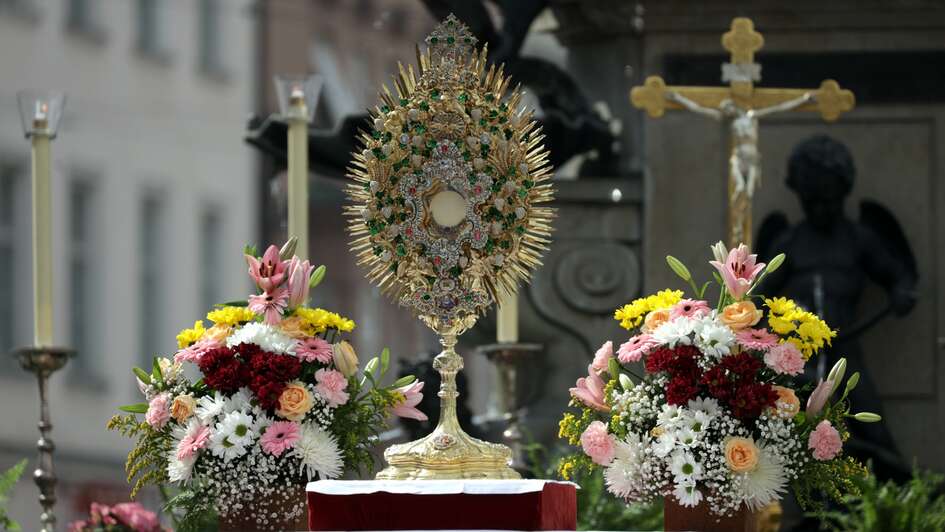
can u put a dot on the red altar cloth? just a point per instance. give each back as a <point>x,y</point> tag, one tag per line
<point>442,504</point>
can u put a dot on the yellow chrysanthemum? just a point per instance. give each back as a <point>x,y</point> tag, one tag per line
<point>231,316</point>
<point>804,329</point>
<point>632,314</point>
<point>188,336</point>
<point>318,320</point>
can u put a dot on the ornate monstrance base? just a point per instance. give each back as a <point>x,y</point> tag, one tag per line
<point>448,452</point>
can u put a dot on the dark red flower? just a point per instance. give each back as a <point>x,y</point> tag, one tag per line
<point>680,390</point>
<point>268,394</point>
<point>223,371</point>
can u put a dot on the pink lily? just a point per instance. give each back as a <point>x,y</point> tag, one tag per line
<point>590,391</point>
<point>298,273</point>
<point>408,406</point>
<point>818,398</point>
<point>269,272</point>
<point>739,270</point>
<point>270,304</point>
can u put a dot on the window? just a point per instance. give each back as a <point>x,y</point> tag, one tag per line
<point>150,28</point>
<point>82,19</point>
<point>151,282</point>
<point>210,50</point>
<point>8,259</point>
<point>210,253</point>
<point>83,270</point>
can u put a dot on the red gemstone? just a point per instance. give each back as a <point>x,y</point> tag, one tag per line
<point>478,189</point>
<point>437,260</point>
<point>413,190</point>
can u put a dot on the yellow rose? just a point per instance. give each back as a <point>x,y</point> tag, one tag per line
<point>294,402</point>
<point>788,405</point>
<point>741,454</point>
<point>741,315</point>
<point>294,327</point>
<point>183,407</point>
<point>655,319</point>
<point>217,333</point>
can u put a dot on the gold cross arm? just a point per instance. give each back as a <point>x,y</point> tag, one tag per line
<point>829,100</point>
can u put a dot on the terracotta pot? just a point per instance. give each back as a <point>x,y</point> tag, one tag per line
<point>678,517</point>
<point>283,507</point>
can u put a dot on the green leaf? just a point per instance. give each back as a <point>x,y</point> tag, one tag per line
<point>142,374</point>
<point>371,366</point>
<point>238,303</point>
<point>156,374</point>
<point>703,289</point>
<point>250,249</point>
<point>317,276</point>
<point>614,367</point>
<point>10,477</point>
<point>385,361</point>
<point>136,408</point>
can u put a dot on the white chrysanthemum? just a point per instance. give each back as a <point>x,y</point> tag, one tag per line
<point>179,470</point>
<point>239,401</point>
<point>664,444</point>
<point>670,416</point>
<point>261,420</point>
<point>686,492</point>
<point>686,436</point>
<point>624,474</point>
<point>715,340</point>
<point>707,404</point>
<point>674,332</point>
<point>684,465</point>
<point>222,447</point>
<point>265,336</point>
<point>210,406</point>
<point>699,421</point>
<point>764,484</point>
<point>318,452</point>
<point>238,427</point>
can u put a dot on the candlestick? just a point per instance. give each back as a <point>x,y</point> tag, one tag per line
<point>507,318</point>
<point>297,100</point>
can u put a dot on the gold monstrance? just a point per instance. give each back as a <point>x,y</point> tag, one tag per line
<point>445,215</point>
<point>741,105</point>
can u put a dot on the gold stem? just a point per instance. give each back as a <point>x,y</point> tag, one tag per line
<point>448,363</point>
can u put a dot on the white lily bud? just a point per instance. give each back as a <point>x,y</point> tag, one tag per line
<point>719,251</point>
<point>867,417</point>
<point>775,263</point>
<point>625,382</point>
<point>678,268</point>
<point>836,373</point>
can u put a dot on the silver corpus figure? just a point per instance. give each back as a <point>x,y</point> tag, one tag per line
<point>745,161</point>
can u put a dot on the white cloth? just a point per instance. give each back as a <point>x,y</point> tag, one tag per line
<point>430,487</point>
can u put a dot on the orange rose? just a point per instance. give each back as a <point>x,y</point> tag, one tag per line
<point>183,407</point>
<point>741,454</point>
<point>741,315</point>
<point>294,402</point>
<point>217,333</point>
<point>655,319</point>
<point>788,405</point>
<point>294,327</point>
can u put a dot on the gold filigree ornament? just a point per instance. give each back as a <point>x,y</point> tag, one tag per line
<point>446,214</point>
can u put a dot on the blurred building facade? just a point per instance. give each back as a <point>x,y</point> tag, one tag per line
<point>153,200</point>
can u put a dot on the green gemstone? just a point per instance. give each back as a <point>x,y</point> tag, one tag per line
<point>431,144</point>
<point>376,135</point>
<point>377,152</point>
<point>528,183</point>
<point>449,23</point>
<point>489,246</point>
<point>424,106</point>
<point>403,215</point>
<point>493,113</point>
<point>467,156</point>
<point>435,94</point>
<point>420,129</point>
<point>504,107</point>
<point>401,250</point>
<point>503,119</point>
<point>520,229</point>
<point>473,179</point>
<point>484,150</point>
<point>385,109</point>
<point>467,40</point>
<point>508,133</point>
<point>512,171</point>
<point>496,187</point>
<point>403,102</point>
<point>378,250</point>
<point>426,297</point>
<point>393,266</point>
<point>462,98</point>
<point>455,271</point>
<point>489,97</point>
<point>427,153</point>
<point>450,40</point>
<point>505,244</point>
<point>494,129</point>
<point>434,40</point>
<point>522,193</point>
<point>483,122</point>
<point>374,230</point>
<point>490,170</point>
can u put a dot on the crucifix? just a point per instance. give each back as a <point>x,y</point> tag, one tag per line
<point>741,105</point>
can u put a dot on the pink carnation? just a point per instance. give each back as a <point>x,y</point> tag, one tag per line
<point>195,439</point>
<point>314,350</point>
<point>689,308</point>
<point>159,411</point>
<point>280,437</point>
<point>757,339</point>
<point>136,517</point>
<point>825,441</point>
<point>195,351</point>
<point>633,349</point>
<point>784,358</point>
<point>602,357</point>
<point>331,385</point>
<point>598,444</point>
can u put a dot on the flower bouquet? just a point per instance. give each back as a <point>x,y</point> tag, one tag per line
<point>122,517</point>
<point>265,399</point>
<point>715,421</point>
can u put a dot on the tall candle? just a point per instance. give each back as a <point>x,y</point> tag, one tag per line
<point>298,172</point>
<point>507,332</point>
<point>42,235</point>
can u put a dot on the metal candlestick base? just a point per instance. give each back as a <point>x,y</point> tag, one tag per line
<point>514,393</point>
<point>43,361</point>
<point>448,452</point>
